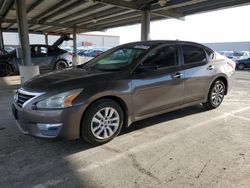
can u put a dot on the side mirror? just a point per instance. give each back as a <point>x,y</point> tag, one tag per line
<point>146,68</point>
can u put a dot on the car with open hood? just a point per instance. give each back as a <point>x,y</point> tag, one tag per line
<point>47,57</point>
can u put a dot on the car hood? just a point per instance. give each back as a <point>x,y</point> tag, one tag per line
<point>65,80</point>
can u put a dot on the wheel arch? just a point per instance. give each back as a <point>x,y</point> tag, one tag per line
<point>223,79</point>
<point>116,99</point>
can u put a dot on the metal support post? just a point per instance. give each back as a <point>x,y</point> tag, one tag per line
<point>1,37</point>
<point>27,70</point>
<point>46,39</point>
<point>74,47</point>
<point>145,25</point>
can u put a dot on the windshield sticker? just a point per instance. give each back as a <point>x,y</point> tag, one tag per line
<point>142,47</point>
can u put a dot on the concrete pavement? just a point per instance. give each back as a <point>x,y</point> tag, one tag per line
<point>190,147</point>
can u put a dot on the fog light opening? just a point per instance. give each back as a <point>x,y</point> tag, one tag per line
<point>48,126</point>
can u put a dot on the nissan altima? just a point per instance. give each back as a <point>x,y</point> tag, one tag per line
<point>123,85</point>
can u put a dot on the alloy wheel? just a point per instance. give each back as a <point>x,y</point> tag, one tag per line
<point>217,94</point>
<point>60,65</point>
<point>105,123</point>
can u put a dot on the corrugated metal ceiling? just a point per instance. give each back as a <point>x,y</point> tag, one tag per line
<point>60,16</point>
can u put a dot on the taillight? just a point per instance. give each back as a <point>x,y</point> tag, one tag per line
<point>231,64</point>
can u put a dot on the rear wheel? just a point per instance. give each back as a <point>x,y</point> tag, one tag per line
<point>241,66</point>
<point>102,122</point>
<point>5,69</point>
<point>61,64</point>
<point>215,95</point>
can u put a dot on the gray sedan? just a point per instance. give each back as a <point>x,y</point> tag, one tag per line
<point>123,85</point>
<point>47,57</point>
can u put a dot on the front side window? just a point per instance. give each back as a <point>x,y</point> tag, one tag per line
<point>43,50</point>
<point>116,59</point>
<point>193,54</point>
<point>166,56</point>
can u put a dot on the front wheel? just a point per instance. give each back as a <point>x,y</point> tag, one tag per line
<point>102,122</point>
<point>5,69</point>
<point>215,95</point>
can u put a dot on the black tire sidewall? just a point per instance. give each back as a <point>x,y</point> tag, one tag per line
<point>243,66</point>
<point>87,118</point>
<point>58,61</point>
<point>11,70</point>
<point>210,93</point>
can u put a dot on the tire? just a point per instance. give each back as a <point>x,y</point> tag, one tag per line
<point>5,69</point>
<point>97,127</point>
<point>216,95</point>
<point>241,66</point>
<point>60,65</point>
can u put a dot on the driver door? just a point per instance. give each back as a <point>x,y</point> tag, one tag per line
<point>160,89</point>
<point>39,56</point>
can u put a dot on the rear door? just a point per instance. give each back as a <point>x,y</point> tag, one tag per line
<point>39,56</point>
<point>197,72</point>
<point>159,89</point>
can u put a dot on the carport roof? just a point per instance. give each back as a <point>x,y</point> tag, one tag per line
<point>61,16</point>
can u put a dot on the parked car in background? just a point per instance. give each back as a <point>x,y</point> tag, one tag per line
<point>125,84</point>
<point>94,52</point>
<point>243,63</point>
<point>7,62</point>
<point>240,55</point>
<point>48,57</point>
<point>88,54</point>
<point>81,52</point>
<point>228,54</point>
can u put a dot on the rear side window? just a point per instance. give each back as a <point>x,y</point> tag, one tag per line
<point>210,54</point>
<point>193,54</point>
<point>166,56</point>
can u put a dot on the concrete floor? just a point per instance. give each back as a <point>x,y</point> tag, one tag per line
<point>185,148</point>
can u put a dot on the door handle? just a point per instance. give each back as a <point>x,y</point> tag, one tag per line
<point>210,67</point>
<point>178,75</point>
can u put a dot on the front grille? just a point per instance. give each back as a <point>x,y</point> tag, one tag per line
<point>22,98</point>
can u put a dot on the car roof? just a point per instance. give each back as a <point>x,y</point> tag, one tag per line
<point>161,42</point>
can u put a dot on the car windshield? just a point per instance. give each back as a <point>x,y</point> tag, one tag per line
<point>116,59</point>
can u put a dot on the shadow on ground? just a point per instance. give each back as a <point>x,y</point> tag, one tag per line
<point>26,161</point>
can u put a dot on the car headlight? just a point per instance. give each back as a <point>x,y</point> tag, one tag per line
<point>15,96</point>
<point>62,100</point>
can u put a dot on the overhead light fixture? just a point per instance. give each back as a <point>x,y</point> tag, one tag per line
<point>162,2</point>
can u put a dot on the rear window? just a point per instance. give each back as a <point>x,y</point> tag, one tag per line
<point>193,54</point>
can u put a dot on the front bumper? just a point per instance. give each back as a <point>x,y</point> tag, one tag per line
<point>62,123</point>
